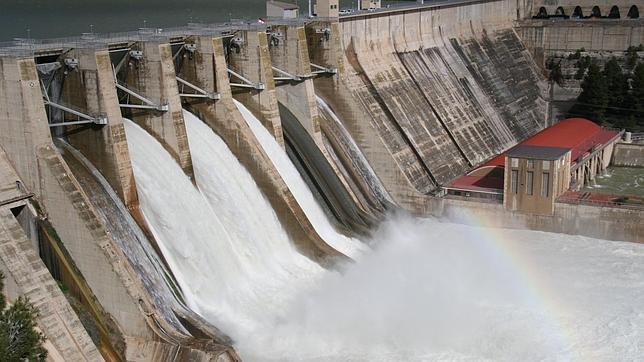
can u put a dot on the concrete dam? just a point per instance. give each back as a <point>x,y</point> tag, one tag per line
<point>249,191</point>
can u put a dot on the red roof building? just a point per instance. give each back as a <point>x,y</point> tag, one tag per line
<point>577,134</point>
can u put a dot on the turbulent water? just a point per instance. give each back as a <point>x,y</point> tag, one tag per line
<point>300,190</point>
<point>222,240</point>
<point>427,290</point>
<point>444,291</point>
<point>620,181</point>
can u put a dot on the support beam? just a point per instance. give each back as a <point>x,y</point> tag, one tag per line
<point>148,103</point>
<point>201,93</point>
<point>322,70</point>
<point>247,83</point>
<point>285,75</point>
<point>87,118</point>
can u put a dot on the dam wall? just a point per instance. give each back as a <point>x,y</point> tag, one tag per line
<point>101,273</point>
<point>208,70</point>
<point>602,222</point>
<point>366,121</point>
<point>442,95</point>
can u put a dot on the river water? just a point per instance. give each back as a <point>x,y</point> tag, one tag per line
<point>62,18</point>
<point>620,181</point>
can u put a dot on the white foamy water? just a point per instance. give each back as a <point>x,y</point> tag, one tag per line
<point>300,190</point>
<point>231,257</point>
<point>449,292</point>
<point>428,291</point>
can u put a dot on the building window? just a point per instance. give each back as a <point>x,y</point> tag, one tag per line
<point>514,181</point>
<point>530,164</point>
<point>545,184</point>
<point>529,178</point>
<point>514,162</point>
<point>546,165</point>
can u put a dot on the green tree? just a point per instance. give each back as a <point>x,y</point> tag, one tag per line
<point>593,99</point>
<point>631,55</point>
<point>19,341</point>
<point>617,87</point>
<point>555,75</point>
<point>582,64</point>
<point>635,98</point>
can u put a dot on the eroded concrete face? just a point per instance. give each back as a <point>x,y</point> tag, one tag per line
<point>446,88</point>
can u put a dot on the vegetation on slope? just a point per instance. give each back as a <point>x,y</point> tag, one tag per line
<point>19,340</point>
<point>611,96</point>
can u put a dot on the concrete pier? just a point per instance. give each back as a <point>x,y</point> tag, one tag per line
<point>251,58</point>
<point>91,88</point>
<point>207,69</point>
<point>154,77</point>
<point>26,275</point>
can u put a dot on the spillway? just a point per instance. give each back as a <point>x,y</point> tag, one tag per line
<point>296,184</point>
<point>232,260</point>
<point>358,161</point>
<point>428,290</point>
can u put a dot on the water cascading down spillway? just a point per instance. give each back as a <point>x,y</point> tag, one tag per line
<point>428,290</point>
<point>348,246</point>
<point>232,258</point>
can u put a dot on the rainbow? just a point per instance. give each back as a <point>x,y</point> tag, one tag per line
<point>529,278</point>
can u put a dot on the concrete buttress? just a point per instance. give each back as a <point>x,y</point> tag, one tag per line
<point>154,77</point>
<point>207,69</point>
<point>253,60</point>
<point>91,88</point>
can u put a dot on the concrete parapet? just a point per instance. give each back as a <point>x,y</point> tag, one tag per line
<point>208,67</point>
<point>92,88</point>
<point>628,154</point>
<point>154,77</point>
<point>253,61</point>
